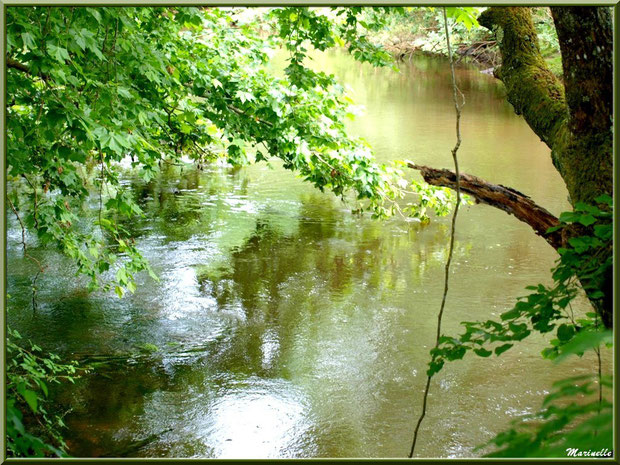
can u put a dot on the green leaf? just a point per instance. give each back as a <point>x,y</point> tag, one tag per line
<point>124,92</point>
<point>434,367</point>
<point>606,199</point>
<point>119,291</point>
<point>58,53</point>
<point>31,399</point>
<point>584,340</point>
<point>43,387</point>
<point>93,251</point>
<point>503,348</point>
<point>511,314</point>
<point>569,217</point>
<point>483,352</point>
<point>596,294</point>
<point>565,332</point>
<point>587,220</point>
<point>28,40</point>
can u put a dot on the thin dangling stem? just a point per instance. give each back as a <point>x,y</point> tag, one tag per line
<point>457,106</point>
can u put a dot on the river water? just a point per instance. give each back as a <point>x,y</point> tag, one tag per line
<point>284,325</point>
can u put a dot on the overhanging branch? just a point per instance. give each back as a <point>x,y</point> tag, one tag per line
<point>10,63</point>
<point>14,64</point>
<point>510,200</point>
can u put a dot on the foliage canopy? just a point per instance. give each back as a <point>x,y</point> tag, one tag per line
<point>90,87</point>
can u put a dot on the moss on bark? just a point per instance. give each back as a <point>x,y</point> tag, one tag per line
<point>573,118</point>
<point>531,87</point>
<point>578,131</point>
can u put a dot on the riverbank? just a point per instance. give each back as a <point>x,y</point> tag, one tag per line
<point>483,53</point>
<point>476,46</point>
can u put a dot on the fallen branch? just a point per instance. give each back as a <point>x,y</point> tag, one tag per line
<point>510,200</point>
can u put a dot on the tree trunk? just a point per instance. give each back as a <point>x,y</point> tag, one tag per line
<point>586,38</point>
<point>574,119</point>
<point>577,126</point>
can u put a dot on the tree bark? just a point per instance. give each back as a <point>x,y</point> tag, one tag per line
<point>574,118</point>
<point>585,36</point>
<point>505,198</point>
<point>576,126</point>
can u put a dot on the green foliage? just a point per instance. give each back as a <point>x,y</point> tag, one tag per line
<point>465,15</point>
<point>563,424</point>
<point>97,87</point>
<point>437,199</point>
<point>569,419</point>
<point>545,28</point>
<point>32,430</point>
<point>582,265</point>
<point>323,29</point>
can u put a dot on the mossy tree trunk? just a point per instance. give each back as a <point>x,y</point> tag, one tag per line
<point>574,117</point>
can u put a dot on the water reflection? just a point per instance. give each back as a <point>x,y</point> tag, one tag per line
<point>285,326</point>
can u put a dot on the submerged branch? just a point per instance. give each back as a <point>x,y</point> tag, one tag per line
<point>27,255</point>
<point>505,198</point>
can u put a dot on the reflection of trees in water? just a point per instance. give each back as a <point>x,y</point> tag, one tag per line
<point>302,277</point>
<point>322,291</point>
<point>284,281</point>
<point>174,201</point>
<point>427,78</point>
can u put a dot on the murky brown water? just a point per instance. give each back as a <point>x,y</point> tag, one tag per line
<point>288,327</point>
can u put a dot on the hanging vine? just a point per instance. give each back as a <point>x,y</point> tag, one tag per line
<point>457,106</point>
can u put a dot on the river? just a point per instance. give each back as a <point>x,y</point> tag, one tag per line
<point>284,325</point>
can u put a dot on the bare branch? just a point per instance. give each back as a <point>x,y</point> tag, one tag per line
<point>505,198</point>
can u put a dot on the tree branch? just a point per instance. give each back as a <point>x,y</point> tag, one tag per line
<point>510,200</point>
<point>10,63</point>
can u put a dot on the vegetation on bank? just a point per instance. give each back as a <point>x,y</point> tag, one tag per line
<point>90,87</point>
<point>419,30</point>
<point>34,428</point>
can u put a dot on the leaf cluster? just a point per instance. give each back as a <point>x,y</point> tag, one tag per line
<point>582,265</point>
<point>570,419</point>
<point>32,429</point>
<point>97,88</point>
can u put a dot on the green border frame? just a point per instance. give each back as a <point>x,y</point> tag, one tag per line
<point>4,4</point>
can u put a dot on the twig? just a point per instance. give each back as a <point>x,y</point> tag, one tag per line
<point>453,227</point>
<point>34,291</point>
<point>28,256</point>
<point>34,189</point>
<point>21,223</point>
<point>239,111</point>
<point>10,63</point>
<point>597,350</point>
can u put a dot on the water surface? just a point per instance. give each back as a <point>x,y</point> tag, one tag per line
<point>288,327</point>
